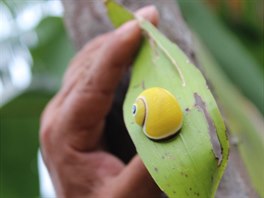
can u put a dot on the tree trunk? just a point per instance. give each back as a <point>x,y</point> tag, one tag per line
<point>86,19</point>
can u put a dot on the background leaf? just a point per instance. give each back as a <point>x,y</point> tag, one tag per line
<point>19,127</point>
<point>232,56</point>
<point>52,54</point>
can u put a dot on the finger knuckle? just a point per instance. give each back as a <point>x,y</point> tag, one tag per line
<point>46,135</point>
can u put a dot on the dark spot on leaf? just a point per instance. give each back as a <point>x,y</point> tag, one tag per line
<point>143,85</point>
<point>190,189</point>
<point>187,109</point>
<point>162,157</point>
<point>136,86</point>
<point>156,169</point>
<point>132,122</point>
<point>174,192</point>
<point>217,148</point>
<point>184,174</point>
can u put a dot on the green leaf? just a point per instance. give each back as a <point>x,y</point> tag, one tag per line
<point>120,15</point>
<point>191,163</point>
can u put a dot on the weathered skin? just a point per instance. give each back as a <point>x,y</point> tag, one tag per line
<point>72,124</point>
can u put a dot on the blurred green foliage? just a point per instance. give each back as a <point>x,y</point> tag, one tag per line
<point>54,50</point>
<point>240,66</point>
<point>236,41</point>
<point>19,119</point>
<point>245,18</point>
<point>19,144</point>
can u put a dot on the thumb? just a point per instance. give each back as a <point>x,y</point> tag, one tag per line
<point>135,181</point>
<point>87,99</point>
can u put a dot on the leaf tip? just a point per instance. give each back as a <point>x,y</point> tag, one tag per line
<point>140,19</point>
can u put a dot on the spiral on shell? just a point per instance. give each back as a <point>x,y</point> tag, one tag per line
<point>158,112</point>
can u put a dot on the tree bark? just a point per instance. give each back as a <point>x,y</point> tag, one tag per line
<point>86,19</point>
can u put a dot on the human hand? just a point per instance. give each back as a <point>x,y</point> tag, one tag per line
<point>72,123</point>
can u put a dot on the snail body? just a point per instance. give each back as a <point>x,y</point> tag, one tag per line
<point>158,112</point>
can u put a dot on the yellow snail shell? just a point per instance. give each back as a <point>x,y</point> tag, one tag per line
<point>158,112</point>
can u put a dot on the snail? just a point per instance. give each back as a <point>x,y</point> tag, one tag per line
<point>158,112</point>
